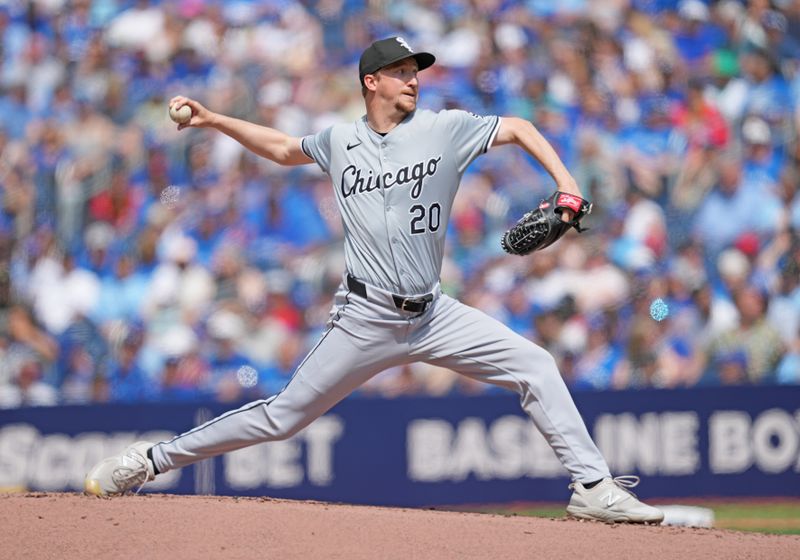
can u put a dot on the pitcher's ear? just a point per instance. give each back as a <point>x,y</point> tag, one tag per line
<point>371,82</point>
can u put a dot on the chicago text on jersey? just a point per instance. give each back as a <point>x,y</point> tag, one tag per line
<point>415,172</point>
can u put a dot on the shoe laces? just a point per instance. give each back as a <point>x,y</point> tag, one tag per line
<point>627,480</point>
<point>126,477</point>
<point>624,482</point>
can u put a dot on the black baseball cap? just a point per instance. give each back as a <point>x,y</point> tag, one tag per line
<point>388,51</point>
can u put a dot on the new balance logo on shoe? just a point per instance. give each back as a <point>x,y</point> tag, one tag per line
<point>611,499</point>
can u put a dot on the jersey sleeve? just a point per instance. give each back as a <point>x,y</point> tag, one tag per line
<point>318,147</point>
<point>471,135</point>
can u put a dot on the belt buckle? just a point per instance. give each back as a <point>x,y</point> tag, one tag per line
<point>421,301</point>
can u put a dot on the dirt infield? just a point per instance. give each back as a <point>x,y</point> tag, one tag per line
<point>156,527</point>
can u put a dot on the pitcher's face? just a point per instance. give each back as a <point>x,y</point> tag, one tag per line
<point>398,84</point>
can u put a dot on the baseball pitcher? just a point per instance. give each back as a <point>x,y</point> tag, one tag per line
<point>395,172</point>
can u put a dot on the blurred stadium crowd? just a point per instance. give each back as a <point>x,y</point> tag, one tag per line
<point>139,263</point>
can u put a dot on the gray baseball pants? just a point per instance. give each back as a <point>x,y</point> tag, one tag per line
<point>366,336</point>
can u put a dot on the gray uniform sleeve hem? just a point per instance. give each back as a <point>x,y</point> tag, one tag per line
<point>490,140</point>
<point>303,147</point>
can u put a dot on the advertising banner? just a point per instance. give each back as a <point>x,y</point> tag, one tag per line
<point>724,442</point>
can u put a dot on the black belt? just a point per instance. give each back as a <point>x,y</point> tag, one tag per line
<point>417,304</point>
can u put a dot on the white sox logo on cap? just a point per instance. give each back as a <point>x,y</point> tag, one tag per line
<point>404,44</point>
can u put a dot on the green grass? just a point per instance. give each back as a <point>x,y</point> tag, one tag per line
<point>782,517</point>
<point>762,517</point>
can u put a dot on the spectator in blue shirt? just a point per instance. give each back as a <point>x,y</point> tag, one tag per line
<point>762,161</point>
<point>127,380</point>
<point>228,367</point>
<point>184,378</point>
<point>14,112</point>
<point>769,94</point>
<point>121,294</point>
<point>696,38</point>
<point>734,207</point>
<point>601,361</point>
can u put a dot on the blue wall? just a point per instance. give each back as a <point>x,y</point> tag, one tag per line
<point>741,441</point>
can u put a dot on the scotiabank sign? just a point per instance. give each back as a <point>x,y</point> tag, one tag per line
<point>414,452</point>
<point>30,459</point>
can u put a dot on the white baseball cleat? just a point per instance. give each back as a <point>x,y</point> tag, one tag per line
<point>117,475</point>
<point>611,501</point>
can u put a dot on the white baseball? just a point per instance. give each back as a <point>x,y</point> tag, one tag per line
<point>180,115</point>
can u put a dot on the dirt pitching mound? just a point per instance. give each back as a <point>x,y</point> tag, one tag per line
<point>157,527</point>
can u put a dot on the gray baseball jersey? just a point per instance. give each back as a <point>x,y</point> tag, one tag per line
<point>395,193</point>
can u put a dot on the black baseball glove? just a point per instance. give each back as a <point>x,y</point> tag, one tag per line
<point>543,226</point>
